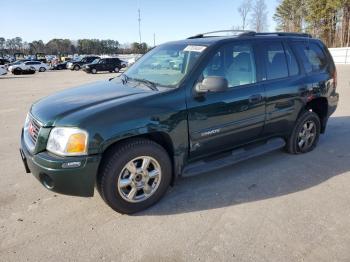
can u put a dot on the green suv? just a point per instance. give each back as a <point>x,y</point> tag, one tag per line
<point>184,108</point>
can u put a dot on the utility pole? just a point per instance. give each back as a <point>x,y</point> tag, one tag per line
<point>139,24</point>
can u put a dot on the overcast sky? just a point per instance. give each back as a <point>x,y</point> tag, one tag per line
<point>116,19</point>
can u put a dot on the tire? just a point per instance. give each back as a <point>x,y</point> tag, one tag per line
<point>94,71</point>
<point>76,68</point>
<point>123,65</point>
<point>59,68</point>
<point>42,69</point>
<point>307,121</point>
<point>17,71</point>
<point>115,171</point>
<point>116,70</point>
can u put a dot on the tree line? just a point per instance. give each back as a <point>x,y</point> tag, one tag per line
<point>328,20</point>
<point>69,47</point>
<point>325,19</point>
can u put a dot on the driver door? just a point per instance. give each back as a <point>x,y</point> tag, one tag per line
<point>222,120</point>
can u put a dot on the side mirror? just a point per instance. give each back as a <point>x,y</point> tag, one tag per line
<point>212,84</point>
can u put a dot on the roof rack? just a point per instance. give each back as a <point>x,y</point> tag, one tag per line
<point>283,34</point>
<point>241,33</point>
<point>234,33</point>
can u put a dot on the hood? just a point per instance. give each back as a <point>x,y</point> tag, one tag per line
<point>52,108</point>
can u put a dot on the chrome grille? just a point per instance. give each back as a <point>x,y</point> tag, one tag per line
<point>33,129</point>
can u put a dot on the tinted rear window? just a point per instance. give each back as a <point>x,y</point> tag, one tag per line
<point>275,59</point>
<point>313,57</point>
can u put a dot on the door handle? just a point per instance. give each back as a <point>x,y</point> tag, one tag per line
<point>255,98</point>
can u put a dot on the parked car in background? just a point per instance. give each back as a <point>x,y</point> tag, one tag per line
<point>104,64</point>
<point>17,62</point>
<point>4,61</point>
<point>3,70</point>
<point>60,66</point>
<point>36,65</point>
<point>20,71</point>
<point>124,64</point>
<point>78,64</point>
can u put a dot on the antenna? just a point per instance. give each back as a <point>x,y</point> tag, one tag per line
<point>139,24</point>
<point>154,39</point>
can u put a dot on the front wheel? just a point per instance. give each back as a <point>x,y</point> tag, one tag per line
<point>134,176</point>
<point>305,134</point>
<point>94,71</point>
<point>76,68</point>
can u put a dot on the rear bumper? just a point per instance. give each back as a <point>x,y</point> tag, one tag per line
<point>332,103</point>
<point>47,168</point>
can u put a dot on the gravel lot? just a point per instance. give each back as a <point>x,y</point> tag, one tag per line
<point>277,207</point>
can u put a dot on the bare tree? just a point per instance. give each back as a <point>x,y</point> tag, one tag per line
<point>259,16</point>
<point>244,10</point>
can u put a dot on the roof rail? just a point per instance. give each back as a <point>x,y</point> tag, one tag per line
<point>241,33</point>
<point>284,34</point>
<point>234,33</point>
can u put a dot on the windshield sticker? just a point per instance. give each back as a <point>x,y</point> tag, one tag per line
<point>195,48</point>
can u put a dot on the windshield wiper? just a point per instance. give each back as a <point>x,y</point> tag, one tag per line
<point>150,84</point>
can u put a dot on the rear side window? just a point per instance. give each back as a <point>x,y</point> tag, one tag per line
<point>275,59</point>
<point>314,58</point>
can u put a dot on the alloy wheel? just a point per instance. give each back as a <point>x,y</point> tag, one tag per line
<point>139,179</point>
<point>307,135</point>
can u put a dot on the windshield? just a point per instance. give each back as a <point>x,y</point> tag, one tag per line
<point>166,65</point>
<point>95,61</point>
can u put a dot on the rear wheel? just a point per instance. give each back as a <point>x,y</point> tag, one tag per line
<point>116,69</point>
<point>135,176</point>
<point>305,134</point>
<point>76,67</point>
<point>42,69</point>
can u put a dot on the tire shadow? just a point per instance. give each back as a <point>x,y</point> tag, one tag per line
<point>272,175</point>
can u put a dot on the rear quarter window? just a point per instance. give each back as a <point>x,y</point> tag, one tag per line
<point>313,57</point>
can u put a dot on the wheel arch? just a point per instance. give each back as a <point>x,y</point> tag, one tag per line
<point>320,107</point>
<point>161,138</point>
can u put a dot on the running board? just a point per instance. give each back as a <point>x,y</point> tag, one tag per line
<point>234,157</point>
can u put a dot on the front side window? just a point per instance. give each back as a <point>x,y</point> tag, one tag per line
<point>235,62</point>
<point>166,65</point>
<point>275,61</point>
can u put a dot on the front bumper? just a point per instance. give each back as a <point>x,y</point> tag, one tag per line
<point>47,168</point>
<point>87,70</point>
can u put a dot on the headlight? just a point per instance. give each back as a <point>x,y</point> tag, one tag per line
<point>67,141</point>
<point>87,66</point>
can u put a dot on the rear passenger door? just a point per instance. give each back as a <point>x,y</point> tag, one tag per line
<point>102,65</point>
<point>283,82</point>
